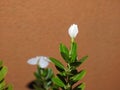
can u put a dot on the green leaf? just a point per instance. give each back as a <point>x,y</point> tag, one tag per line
<point>43,72</point>
<point>59,69</point>
<point>78,63</point>
<point>61,78</point>
<point>36,74</point>
<point>10,87</point>
<point>75,64</point>
<point>2,84</point>
<point>63,74</point>
<point>3,72</point>
<point>49,73</point>
<point>58,82</point>
<point>57,63</point>
<point>73,51</point>
<point>78,76</point>
<point>83,59</point>
<point>64,52</point>
<point>80,87</point>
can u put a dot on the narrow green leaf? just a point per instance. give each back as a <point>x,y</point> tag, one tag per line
<point>83,59</point>
<point>65,57</point>
<point>80,87</point>
<point>49,74</point>
<point>61,77</point>
<point>78,63</point>
<point>10,87</point>
<point>2,84</point>
<point>59,69</point>
<point>3,72</point>
<point>63,48</point>
<point>58,82</point>
<point>64,52</point>
<point>79,76</point>
<point>57,63</point>
<point>73,51</point>
<point>75,64</point>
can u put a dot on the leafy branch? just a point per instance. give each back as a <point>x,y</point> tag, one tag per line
<point>69,75</point>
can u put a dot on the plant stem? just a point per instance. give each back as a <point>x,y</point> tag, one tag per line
<point>69,86</point>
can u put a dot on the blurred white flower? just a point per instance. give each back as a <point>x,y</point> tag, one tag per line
<point>73,31</point>
<point>42,61</point>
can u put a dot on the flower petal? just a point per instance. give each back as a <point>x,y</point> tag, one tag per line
<point>33,61</point>
<point>43,62</point>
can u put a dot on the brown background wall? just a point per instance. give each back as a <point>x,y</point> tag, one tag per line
<point>29,28</point>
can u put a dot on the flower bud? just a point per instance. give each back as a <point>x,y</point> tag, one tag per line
<point>73,31</point>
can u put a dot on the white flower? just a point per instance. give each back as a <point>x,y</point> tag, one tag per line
<point>42,61</point>
<point>73,31</point>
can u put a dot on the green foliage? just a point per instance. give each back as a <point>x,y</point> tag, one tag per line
<point>43,79</point>
<point>81,86</point>
<point>73,52</point>
<point>83,59</point>
<point>64,52</point>
<point>58,81</point>
<point>69,75</point>
<point>3,72</point>
<point>57,63</point>
<point>78,76</point>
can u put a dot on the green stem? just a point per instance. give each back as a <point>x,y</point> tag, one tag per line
<point>69,86</point>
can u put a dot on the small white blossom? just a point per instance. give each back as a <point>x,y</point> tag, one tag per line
<point>42,61</point>
<point>73,31</point>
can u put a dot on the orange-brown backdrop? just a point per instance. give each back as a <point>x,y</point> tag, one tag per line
<point>30,28</point>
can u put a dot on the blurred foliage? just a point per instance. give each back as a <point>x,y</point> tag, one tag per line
<point>3,72</point>
<point>43,79</point>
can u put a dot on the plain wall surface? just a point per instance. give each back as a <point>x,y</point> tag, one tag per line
<point>30,28</point>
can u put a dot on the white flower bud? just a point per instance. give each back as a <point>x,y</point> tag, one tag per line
<point>42,61</point>
<point>73,31</point>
